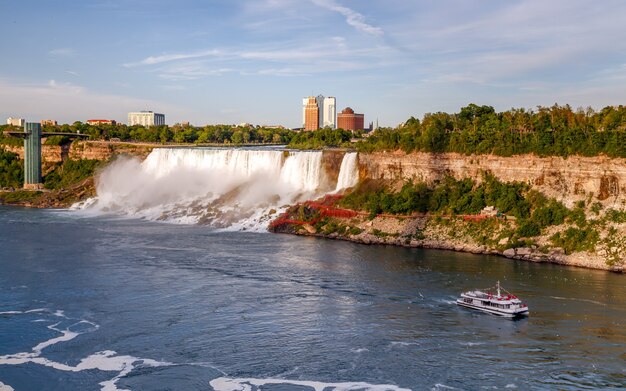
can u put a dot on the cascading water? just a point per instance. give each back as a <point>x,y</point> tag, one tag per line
<point>349,172</point>
<point>239,189</point>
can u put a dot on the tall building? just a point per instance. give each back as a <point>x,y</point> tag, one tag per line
<point>311,114</point>
<point>326,111</point>
<point>146,118</point>
<point>349,120</point>
<point>16,121</point>
<point>330,113</point>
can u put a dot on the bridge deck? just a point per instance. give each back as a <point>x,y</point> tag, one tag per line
<point>46,134</point>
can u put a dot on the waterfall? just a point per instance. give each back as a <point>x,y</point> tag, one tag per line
<point>223,188</point>
<point>349,172</point>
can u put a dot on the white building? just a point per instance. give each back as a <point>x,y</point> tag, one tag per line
<point>16,121</point>
<point>146,118</point>
<point>329,117</point>
<point>327,113</point>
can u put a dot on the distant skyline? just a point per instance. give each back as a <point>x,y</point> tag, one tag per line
<point>234,61</point>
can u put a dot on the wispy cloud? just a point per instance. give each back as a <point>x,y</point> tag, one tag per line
<point>288,59</point>
<point>353,18</point>
<point>62,52</point>
<point>152,60</point>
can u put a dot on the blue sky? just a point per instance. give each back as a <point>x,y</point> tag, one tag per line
<point>233,61</point>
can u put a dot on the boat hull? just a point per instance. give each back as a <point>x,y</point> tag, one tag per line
<point>506,314</point>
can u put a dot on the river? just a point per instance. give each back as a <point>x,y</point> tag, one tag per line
<point>102,303</point>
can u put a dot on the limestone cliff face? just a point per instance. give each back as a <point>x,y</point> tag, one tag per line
<point>566,179</point>
<point>95,150</point>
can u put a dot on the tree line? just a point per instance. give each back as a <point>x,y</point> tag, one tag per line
<point>547,131</point>
<point>181,134</point>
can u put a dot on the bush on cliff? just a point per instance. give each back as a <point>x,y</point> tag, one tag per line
<point>576,239</point>
<point>11,171</point>
<point>448,196</point>
<point>70,172</point>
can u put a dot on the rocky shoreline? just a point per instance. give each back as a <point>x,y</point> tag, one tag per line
<point>434,233</point>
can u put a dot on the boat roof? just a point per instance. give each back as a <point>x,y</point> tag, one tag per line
<point>488,296</point>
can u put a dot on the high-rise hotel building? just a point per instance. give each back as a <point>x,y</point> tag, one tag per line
<point>326,112</point>
<point>310,114</point>
<point>146,118</point>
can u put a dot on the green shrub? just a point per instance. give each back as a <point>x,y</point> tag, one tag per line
<point>576,240</point>
<point>57,140</point>
<point>11,170</point>
<point>355,230</point>
<point>19,196</point>
<point>70,172</point>
<point>596,208</point>
<point>616,216</point>
<point>528,229</point>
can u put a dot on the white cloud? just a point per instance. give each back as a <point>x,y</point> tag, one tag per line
<point>353,18</point>
<point>152,60</point>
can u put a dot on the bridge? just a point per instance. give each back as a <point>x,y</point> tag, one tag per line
<point>46,134</point>
<point>32,135</point>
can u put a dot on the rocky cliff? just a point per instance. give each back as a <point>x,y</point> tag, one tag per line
<point>599,182</point>
<point>93,150</point>
<point>568,180</point>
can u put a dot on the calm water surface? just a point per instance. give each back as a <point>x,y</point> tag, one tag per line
<point>96,303</point>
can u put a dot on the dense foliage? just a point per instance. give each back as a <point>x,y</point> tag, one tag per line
<point>70,172</point>
<point>532,210</point>
<point>546,131</point>
<point>553,131</point>
<point>321,138</point>
<point>11,171</point>
<point>449,196</point>
<point>210,134</point>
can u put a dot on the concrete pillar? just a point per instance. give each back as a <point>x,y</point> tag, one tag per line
<point>32,156</point>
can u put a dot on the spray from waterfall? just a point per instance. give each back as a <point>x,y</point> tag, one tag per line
<point>238,189</point>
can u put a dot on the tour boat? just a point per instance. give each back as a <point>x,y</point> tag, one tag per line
<point>507,305</point>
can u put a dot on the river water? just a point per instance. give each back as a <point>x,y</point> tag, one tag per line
<point>96,303</point>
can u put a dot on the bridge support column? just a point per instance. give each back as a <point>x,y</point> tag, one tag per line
<point>32,156</point>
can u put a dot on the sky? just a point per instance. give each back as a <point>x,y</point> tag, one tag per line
<point>234,61</point>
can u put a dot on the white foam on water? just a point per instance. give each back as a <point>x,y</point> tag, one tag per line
<point>360,350</point>
<point>5,387</point>
<point>404,344</point>
<point>23,312</point>
<point>246,384</point>
<point>439,387</point>
<point>106,360</point>
<point>470,344</point>
<point>349,172</point>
